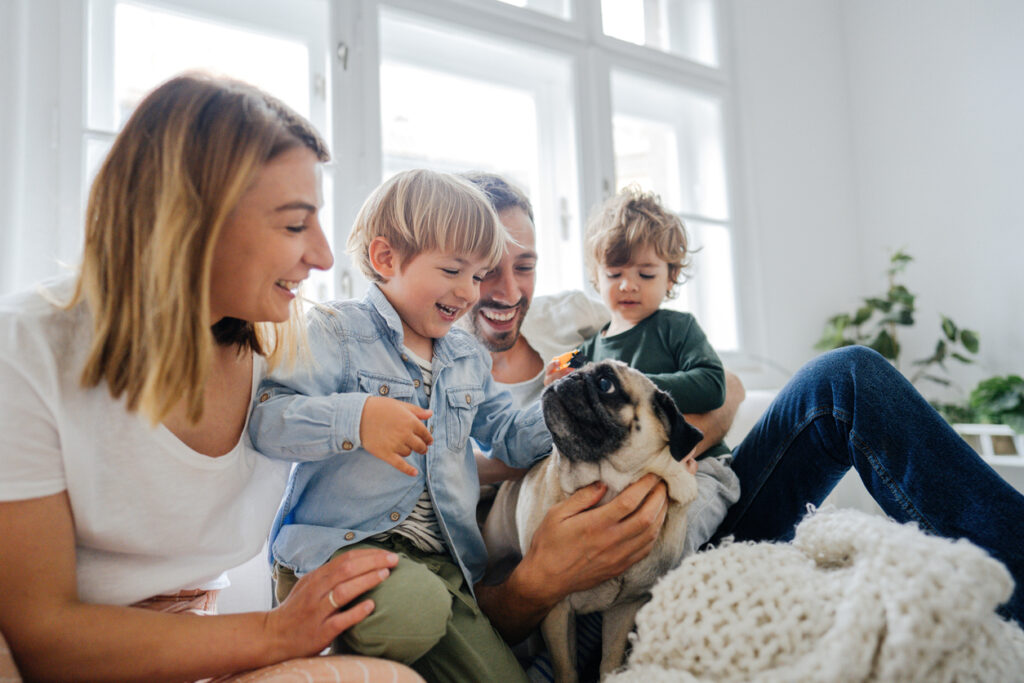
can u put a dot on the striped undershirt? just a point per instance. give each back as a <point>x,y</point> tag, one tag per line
<point>421,526</point>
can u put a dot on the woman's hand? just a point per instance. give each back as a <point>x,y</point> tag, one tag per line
<point>323,604</point>
<point>391,430</point>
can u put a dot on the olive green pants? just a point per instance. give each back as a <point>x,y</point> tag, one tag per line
<point>425,617</point>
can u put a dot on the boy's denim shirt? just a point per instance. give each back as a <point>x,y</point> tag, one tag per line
<point>340,494</point>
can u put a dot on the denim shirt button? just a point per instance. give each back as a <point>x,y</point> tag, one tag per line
<point>416,383</point>
<point>384,390</point>
<point>346,445</point>
<point>264,396</point>
<point>395,516</point>
<point>405,358</point>
<point>469,399</point>
<point>350,535</point>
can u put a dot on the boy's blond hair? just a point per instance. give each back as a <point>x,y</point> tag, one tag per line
<point>175,172</point>
<point>628,222</point>
<point>422,210</point>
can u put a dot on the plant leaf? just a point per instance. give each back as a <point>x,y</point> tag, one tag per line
<point>879,304</point>
<point>862,315</point>
<point>949,328</point>
<point>885,345</point>
<point>900,294</point>
<point>901,316</point>
<point>969,338</point>
<point>962,358</point>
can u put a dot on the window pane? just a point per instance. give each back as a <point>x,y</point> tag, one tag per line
<point>709,293</point>
<point>455,101</point>
<point>434,119</point>
<point>669,140</point>
<point>682,27</point>
<point>152,45</point>
<point>556,8</point>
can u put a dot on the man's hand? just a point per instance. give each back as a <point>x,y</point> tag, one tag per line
<point>577,546</point>
<point>392,429</point>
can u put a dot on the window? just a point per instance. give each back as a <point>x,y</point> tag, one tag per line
<point>136,46</point>
<point>455,100</point>
<point>669,140</point>
<point>569,99</point>
<point>682,27</point>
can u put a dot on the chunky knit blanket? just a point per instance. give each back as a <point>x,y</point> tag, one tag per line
<point>854,597</point>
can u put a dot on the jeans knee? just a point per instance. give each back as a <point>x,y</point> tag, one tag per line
<point>404,630</point>
<point>856,356</point>
<point>861,365</point>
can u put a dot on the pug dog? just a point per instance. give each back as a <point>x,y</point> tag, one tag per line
<point>609,423</point>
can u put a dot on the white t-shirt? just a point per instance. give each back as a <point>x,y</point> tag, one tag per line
<point>556,323</point>
<point>151,515</point>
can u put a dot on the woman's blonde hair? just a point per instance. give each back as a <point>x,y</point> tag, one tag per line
<point>156,208</point>
<point>422,210</point>
<point>630,221</point>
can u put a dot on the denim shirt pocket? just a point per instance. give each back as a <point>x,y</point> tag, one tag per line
<point>463,403</point>
<point>386,386</point>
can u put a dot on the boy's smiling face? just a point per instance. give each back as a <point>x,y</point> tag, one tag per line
<point>430,291</point>
<point>635,290</point>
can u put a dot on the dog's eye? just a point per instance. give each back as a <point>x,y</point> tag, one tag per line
<point>606,385</point>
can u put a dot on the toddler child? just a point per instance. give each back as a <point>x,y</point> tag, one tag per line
<point>636,253</point>
<point>370,472</point>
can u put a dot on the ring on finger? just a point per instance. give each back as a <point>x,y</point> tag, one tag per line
<point>330,599</point>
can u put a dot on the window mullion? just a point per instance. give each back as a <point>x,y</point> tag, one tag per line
<point>354,50</point>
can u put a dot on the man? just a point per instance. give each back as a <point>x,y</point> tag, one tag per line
<point>578,545</point>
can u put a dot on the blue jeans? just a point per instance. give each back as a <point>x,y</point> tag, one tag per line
<point>851,408</point>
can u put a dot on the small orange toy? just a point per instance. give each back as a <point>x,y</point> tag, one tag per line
<point>569,359</point>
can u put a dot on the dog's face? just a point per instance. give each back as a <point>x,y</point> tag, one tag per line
<point>609,408</point>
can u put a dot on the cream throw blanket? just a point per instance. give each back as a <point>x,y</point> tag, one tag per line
<point>854,597</point>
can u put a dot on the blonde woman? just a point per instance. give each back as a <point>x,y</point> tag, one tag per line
<point>129,483</point>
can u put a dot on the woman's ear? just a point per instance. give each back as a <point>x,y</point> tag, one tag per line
<point>383,257</point>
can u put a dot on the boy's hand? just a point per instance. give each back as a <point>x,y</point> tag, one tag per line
<point>555,369</point>
<point>391,429</point>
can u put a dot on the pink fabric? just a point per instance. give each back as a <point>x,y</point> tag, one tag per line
<point>338,669</point>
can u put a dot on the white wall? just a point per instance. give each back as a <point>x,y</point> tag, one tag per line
<point>795,130</point>
<point>870,125</point>
<point>938,120</point>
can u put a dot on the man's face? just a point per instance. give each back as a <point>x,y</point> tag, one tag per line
<point>506,292</point>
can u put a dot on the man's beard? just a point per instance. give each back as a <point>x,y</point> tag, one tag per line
<point>496,342</point>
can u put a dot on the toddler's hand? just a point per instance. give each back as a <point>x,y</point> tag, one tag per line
<point>392,429</point>
<point>555,370</point>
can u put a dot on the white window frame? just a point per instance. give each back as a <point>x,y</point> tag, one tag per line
<point>594,56</point>
<point>354,127</point>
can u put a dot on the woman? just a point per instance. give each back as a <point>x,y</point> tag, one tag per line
<point>129,485</point>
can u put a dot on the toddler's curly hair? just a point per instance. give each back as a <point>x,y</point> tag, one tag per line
<point>628,222</point>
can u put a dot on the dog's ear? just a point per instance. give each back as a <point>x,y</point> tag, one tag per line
<point>682,436</point>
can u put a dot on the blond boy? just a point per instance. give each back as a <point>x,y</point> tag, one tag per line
<point>380,424</point>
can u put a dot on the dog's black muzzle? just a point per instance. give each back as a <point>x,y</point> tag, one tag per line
<point>581,411</point>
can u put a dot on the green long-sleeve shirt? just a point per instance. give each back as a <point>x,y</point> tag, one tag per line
<point>672,350</point>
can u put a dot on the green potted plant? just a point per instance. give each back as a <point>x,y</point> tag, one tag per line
<point>877,321</point>
<point>991,418</point>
